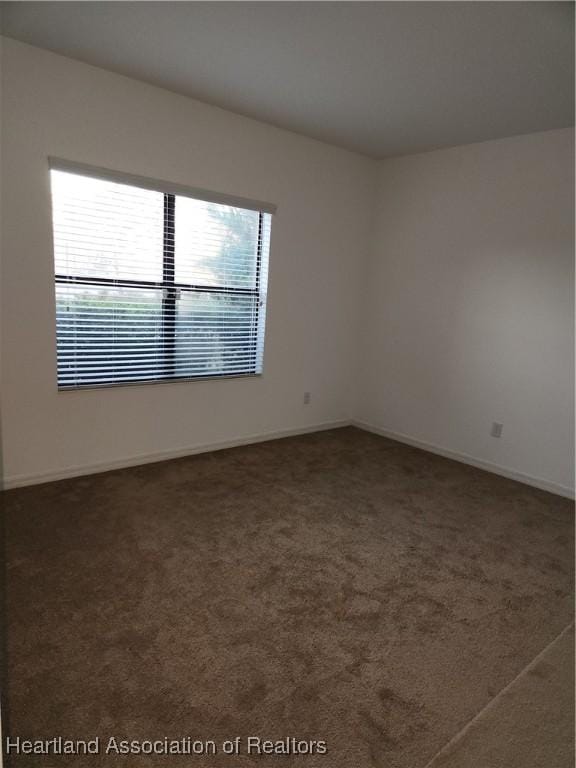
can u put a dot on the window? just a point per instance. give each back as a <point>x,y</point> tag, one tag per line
<point>155,284</point>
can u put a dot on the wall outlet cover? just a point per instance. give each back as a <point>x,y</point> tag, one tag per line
<point>497,428</point>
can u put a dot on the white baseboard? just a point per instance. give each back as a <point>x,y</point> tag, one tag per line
<point>497,469</point>
<point>19,481</point>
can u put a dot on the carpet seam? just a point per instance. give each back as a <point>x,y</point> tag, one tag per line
<point>443,750</point>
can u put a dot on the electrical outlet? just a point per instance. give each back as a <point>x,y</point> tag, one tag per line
<point>497,428</point>
<point>307,398</point>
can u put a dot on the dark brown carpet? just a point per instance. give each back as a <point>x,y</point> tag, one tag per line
<point>530,724</point>
<point>336,586</point>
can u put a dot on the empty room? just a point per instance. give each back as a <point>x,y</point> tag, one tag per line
<point>287,384</point>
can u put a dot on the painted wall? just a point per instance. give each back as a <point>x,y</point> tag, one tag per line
<point>52,105</point>
<point>424,296</point>
<point>470,303</point>
<point>1,221</point>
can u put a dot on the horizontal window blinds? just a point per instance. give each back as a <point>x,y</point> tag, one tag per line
<point>154,286</point>
<point>166,187</point>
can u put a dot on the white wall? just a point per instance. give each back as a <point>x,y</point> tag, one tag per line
<point>1,221</point>
<point>428,310</point>
<point>55,106</point>
<point>469,298</point>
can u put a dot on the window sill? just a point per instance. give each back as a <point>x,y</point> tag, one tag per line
<point>147,382</point>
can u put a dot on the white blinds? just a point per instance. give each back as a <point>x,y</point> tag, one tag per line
<point>154,286</point>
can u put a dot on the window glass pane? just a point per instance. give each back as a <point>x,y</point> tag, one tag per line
<point>216,245</point>
<point>108,334</point>
<point>215,334</point>
<point>153,286</point>
<point>107,230</point>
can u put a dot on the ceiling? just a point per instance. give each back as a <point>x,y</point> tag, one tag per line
<point>380,78</point>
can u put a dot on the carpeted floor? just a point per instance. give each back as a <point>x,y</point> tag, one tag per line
<point>336,586</point>
<point>530,724</point>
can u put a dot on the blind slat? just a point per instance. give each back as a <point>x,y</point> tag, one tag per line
<point>133,181</point>
<point>120,251</point>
